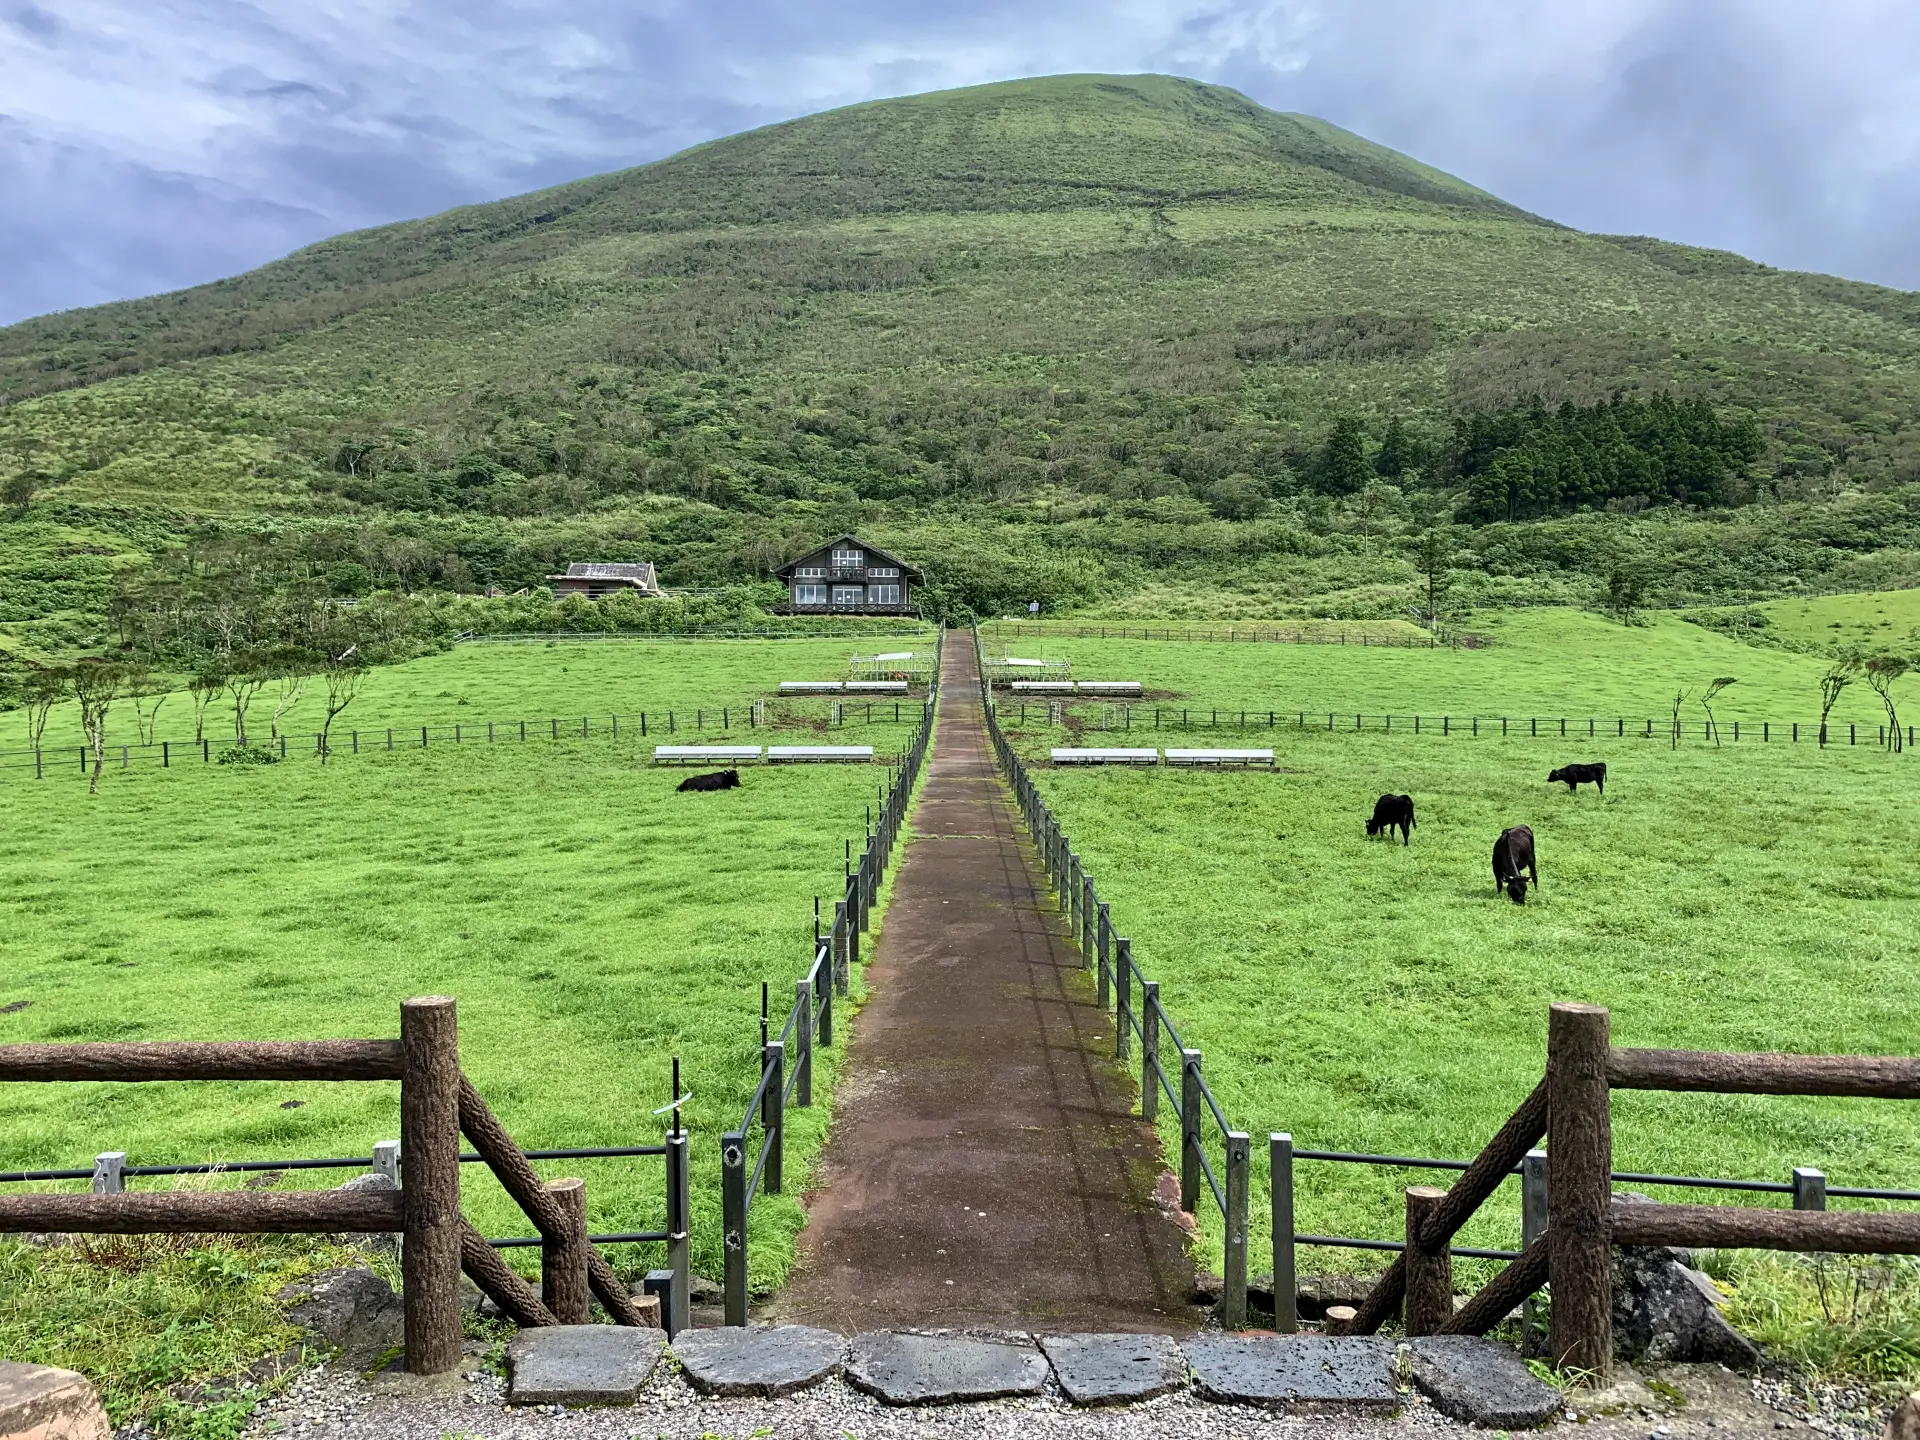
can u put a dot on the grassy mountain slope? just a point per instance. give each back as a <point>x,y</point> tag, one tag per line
<point>1042,322</point>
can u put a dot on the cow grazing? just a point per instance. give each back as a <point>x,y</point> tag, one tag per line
<point>1389,811</point>
<point>718,780</point>
<point>1512,854</point>
<point>1578,775</point>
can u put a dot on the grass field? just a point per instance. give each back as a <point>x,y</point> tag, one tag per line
<point>591,921</point>
<point>1373,998</point>
<point>1546,662</point>
<point>1873,620</point>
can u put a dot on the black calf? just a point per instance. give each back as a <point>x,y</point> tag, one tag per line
<point>1392,810</point>
<point>1578,775</point>
<point>1512,854</point>
<point>718,780</point>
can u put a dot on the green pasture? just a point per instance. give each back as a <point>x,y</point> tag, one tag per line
<point>591,921</point>
<point>1874,620</point>
<point>1547,662</point>
<point>506,683</point>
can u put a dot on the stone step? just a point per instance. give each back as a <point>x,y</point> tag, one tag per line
<point>1349,1373</point>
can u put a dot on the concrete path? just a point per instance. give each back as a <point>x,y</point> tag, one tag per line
<point>984,1168</point>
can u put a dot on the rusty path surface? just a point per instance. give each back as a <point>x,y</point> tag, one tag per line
<point>984,1167</point>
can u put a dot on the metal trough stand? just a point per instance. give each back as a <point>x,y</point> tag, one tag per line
<point>878,687</point>
<point>1220,757</point>
<point>1106,757</point>
<point>1043,687</point>
<point>1108,687</point>
<point>796,754</point>
<point>703,754</point>
<point>808,687</point>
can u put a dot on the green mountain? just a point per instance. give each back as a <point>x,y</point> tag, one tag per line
<point>1111,340</point>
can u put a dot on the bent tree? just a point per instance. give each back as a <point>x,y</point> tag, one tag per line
<point>96,685</point>
<point>1706,704</point>
<point>342,674</point>
<point>1882,671</point>
<point>1838,677</point>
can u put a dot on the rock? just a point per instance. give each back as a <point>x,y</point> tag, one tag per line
<point>377,1243</point>
<point>1298,1372</point>
<point>1904,1422</point>
<point>372,1180</point>
<point>1665,1311</point>
<point>1207,1288</point>
<point>1481,1382</point>
<point>1114,1369</point>
<point>763,1360</point>
<point>1317,1292</point>
<point>906,1369</point>
<point>38,1402</point>
<point>581,1364</point>
<point>351,1310</point>
<point>702,1291</point>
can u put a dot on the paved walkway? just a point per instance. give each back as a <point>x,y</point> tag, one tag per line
<point>984,1168</point>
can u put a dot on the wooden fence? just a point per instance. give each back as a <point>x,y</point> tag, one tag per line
<point>1236,634</point>
<point>437,1104</point>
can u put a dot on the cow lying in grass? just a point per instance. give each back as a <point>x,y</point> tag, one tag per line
<point>1578,775</point>
<point>1389,811</point>
<point>1512,854</point>
<point>718,780</point>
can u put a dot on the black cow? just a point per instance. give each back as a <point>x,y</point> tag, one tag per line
<point>1578,775</point>
<point>718,780</point>
<point>1513,853</point>
<point>1389,811</point>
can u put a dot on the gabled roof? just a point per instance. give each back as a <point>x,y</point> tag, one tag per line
<point>640,574</point>
<point>873,551</point>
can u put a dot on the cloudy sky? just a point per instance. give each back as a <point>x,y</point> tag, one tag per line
<point>150,144</point>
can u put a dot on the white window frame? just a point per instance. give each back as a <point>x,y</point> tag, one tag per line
<point>849,595</point>
<point>811,572</point>
<point>849,559</point>
<point>883,594</point>
<point>882,572</point>
<point>809,594</point>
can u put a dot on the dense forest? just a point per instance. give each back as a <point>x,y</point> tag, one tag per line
<point>1121,344</point>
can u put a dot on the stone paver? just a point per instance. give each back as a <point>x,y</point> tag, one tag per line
<point>1351,1373</point>
<point>985,1170</point>
<point>38,1402</point>
<point>1114,1369</point>
<point>907,1369</point>
<point>581,1364</point>
<point>1482,1383</point>
<point>765,1360</point>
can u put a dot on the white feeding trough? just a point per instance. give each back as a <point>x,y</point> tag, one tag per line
<point>896,655</point>
<point>1106,757</point>
<point>877,687</point>
<point>799,754</point>
<point>1042,687</point>
<point>1027,664</point>
<point>809,687</point>
<point>1107,687</point>
<point>1220,757</point>
<point>703,754</point>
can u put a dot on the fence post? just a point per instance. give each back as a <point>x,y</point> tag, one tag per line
<point>1190,1130</point>
<point>679,1248</point>
<point>1286,1284</point>
<point>109,1172</point>
<point>1123,997</point>
<point>1106,942</point>
<point>1233,1289</point>
<point>1809,1188</point>
<point>1087,922</point>
<point>563,1255</point>
<point>733,1224</point>
<point>837,937</point>
<point>1533,1219</point>
<point>773,1114</point>
<point>823,985</point>
<point>1149,1049</point>
<point>1429,1269</point>
<point>386,1160</point>
<point>1579,1189</point>
<point>802,1043</point>
<point>430,1196</point>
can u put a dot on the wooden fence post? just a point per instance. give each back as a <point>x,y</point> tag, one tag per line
<point>1429,1298</point>
<point>563,1256</point>
<point>803,1043</point>
<point>1123,998</point>
<point>1149,1050</point>
<point>1190,1130</point>
<point>1233,1267</point>
<point>1579,1189</point>
<point>430,1196</point>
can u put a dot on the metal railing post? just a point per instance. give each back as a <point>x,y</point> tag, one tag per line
<point>1190,1130</point>
<point>823,973</point>
<point>1106,941</point>
<point>1070,892</point>
<point>109,1172</point>
<point>1123,998</point>
<point>837,937</point>
<point>733,1224</point>
<point>1149,1049</point>
<point>386,1160</point>
<point>1286,1283</point>
<point>679,1241</point>
<point>1233,1290</point>
<point>1533,1222</point>
<point>802,1043</point>
<point>1809,1188</point>
<point>773,1114</point>
<point>1086,919</point>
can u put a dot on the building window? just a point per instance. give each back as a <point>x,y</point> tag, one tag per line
<point>809,594</point>
<point>883,594</point>
<point>882,572</point>
<point>849,595</point>
<point>848,559</point>
<point>811,572</point>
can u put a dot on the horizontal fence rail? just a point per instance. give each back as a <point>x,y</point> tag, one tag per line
<point>786,1057</point>
<point>1117,715</point>
<point>556,637</point>
<point>643,724</point>
<point>1234,634</point>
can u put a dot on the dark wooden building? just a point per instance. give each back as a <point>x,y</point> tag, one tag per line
<point>847,576</point>
<point>597,579</point>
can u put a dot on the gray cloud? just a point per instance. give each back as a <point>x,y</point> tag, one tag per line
<point>150,145</point>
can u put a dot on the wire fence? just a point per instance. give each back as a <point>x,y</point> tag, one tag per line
<point>787,1059</point>
<point>1251,634</point>
<point>868,631</point>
